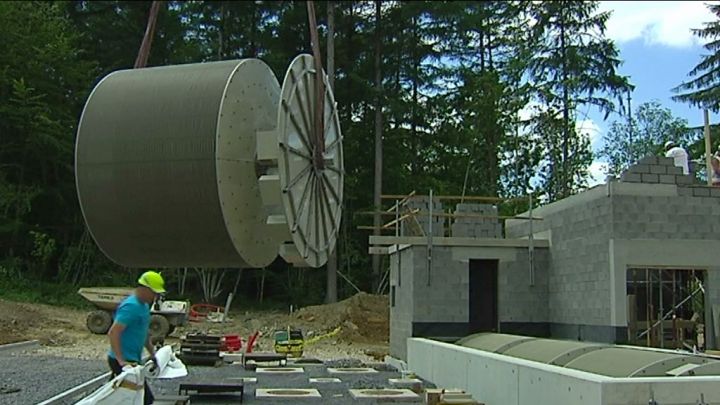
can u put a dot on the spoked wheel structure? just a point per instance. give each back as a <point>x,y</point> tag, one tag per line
<point>211,165</point>
<point>310,167</point>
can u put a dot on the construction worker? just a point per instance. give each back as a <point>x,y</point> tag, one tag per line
<point>129,331</point>
<point>679,155</point>
<point>715,164</point>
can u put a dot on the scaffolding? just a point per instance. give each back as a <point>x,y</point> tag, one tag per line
<point>665,307</point>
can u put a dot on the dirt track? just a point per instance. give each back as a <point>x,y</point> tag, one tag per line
<point>363,319</point>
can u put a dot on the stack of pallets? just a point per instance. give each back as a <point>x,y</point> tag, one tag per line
<point>201,349</point>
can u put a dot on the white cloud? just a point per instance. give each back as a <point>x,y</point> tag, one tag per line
<point>589,128</point>
<point>656,22</point>
<point>597,173</point>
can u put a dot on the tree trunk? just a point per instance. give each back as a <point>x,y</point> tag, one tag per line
<point>331,290</point>
<point>564,191</point>
<point>378,138</point>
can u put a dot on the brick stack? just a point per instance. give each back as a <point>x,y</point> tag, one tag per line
<point>656,170</point>
<point>477,227</point>
<point>422,203</point>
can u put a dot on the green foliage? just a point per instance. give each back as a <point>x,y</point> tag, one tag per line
<point>455,78</point>
<point>644,134</point>
<point>703,90</point>
<point>573,66</point>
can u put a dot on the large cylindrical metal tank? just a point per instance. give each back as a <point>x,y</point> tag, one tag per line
<point>211,165</point>
<point>165,163</point>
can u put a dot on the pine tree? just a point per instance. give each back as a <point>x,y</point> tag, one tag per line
<point>704,89</point>
<point>573,66</point>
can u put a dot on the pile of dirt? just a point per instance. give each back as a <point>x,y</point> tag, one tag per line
<point>364,318</point>
<point>50,325</point>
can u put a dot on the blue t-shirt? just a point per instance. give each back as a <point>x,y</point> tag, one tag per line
<point>135,315</point>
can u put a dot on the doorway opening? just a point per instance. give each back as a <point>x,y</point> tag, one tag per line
<point>483,295</point>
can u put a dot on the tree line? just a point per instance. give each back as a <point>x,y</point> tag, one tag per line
<point>479,98</point>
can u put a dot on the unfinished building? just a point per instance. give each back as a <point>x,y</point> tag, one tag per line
<point>629,261</point>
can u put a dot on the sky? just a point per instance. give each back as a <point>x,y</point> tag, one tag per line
<point>658,50</point>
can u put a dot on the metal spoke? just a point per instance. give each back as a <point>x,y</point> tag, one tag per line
<point>303,199</point>
<point>321,199</point>
<point>293,119</point>
<point>329,120</point>
<point>312,206</point>
<point>296,151</point>
<point>334,143</point>
<point>334,169</point>
<point>296,95</point>
<point>297,178</point>
<point>318,215</point>
<point>326,200</point>
<point>335,194</point>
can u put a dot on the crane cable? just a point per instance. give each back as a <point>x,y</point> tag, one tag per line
<point>319,149</point>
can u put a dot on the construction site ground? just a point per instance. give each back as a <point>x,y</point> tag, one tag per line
<point>363,321</point>
<point>69,354</point>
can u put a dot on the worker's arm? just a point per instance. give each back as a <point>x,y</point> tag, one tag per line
<point>149,346</point>
<point>114,335</point>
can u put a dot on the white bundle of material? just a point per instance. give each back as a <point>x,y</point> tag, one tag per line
<point>168,365</point>
<point>126,388</point>
<point>129,386</point>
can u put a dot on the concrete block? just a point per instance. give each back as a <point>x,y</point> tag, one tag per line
<point>715,192</point>
<point>684,191</point>
<point>701,191</point>
<point>629,177</point>
<point>674,170</point>
<point>649,178</point>
<point>683,179</point>
<point>639,168</point>
<point>648,160</point>
<point>667,179</point>
<point>665,161</point>
<point>658,169</point>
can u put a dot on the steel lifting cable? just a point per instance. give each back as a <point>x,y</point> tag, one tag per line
<point>319,149</point>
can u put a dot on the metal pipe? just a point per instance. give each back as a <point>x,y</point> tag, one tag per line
<point>430,238</point>
<point>531,245</point>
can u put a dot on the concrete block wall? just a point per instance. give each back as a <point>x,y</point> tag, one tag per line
<point>477,227</point>
<point>423,204</point>
<point>445,297</point>
<point>578,263</point>
<point>519,302</point>
<point>667,217</point>
<point>656,170</point>
<point>401,310</point>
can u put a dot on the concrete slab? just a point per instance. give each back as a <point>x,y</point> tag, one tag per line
<point>404,381</point>
<point>385,394</point>
<point>324,380</point>
<point>351,370</point>
<point>289,393</point>
<point>245,380</point>
<point>279,370</point>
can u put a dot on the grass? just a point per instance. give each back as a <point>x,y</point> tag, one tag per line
<point>41,292</point>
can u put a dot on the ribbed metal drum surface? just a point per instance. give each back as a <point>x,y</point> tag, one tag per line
<point>165,164</point>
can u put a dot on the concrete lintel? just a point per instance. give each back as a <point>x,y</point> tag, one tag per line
<point>397,248</point>
<point>445,241</point>
<point>643,189</point>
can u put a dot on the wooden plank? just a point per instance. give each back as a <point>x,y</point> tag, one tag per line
<point>457,241</point>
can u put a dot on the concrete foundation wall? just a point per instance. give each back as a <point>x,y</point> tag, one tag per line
<point>438,305</point>
<point>502,380</point>
<point>401,304</point>
<point>578,275</point>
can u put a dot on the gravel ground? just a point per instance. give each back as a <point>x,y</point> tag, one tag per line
<point>332,393</point>
<point>41,377</point>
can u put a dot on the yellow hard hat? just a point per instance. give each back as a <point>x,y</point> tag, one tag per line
<point>152,280</point>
